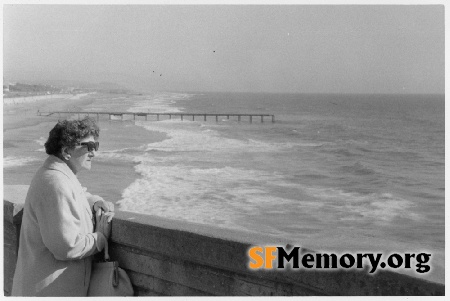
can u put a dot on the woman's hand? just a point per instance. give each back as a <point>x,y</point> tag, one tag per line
<point>103,222</point>
<point>104,205</point>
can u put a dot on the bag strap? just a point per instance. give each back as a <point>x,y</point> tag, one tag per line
<point>107,258</point>
<point>115,281</point>
<point>116,274</point>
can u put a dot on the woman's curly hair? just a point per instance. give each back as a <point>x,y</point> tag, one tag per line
<point>68,133</point>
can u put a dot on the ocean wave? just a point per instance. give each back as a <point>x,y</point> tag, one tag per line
<point>363,149</point>
<point>41,141</point>
<point>229,196</point>
<point>377,208</point>
<point>310,144</point>
<point>7,144</point>
<point>187,136</point>
<point>398,153</point>
<point>314,176</point>
<point>359,169</point>
<point>122,155</point>
<point>11,161</point>
<point>191,137</point>
<point>160,103</point>
<point>202,195</point>
<point>344,152</point>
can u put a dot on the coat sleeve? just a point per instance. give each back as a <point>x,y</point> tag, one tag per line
<point>60,221</point>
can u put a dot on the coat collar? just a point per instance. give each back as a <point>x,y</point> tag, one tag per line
<point>56,163</point>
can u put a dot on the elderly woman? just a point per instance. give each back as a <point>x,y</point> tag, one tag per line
<point>57,238</point>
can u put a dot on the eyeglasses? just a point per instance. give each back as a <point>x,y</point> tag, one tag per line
<point>91,145</point>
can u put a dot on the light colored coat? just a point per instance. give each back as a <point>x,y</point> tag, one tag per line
<point>57,236</point>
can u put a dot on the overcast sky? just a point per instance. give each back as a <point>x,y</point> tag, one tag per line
<point>276,48</point>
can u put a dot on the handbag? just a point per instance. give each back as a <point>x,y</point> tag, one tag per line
<point>107,279</point>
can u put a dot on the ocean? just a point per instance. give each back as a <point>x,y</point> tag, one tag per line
<point>362,170</point>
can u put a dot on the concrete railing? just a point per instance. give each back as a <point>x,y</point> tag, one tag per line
<point>167,257</point>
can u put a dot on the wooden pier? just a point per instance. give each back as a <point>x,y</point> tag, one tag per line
<point>116,115</point>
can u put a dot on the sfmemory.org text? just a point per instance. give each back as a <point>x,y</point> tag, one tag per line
<point>270,257</point>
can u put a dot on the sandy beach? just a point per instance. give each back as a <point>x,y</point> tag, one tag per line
<point>25,112</point>
<point>24,135</point>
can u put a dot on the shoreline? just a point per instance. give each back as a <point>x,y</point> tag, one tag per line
<point>25,113</point>
<point>34,98</point>
<point>24,134</point>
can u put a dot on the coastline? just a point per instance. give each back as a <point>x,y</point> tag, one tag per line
<point>125,172</point>
<point>24,134</point>
<point>24,112</point>
<point>34,98</point>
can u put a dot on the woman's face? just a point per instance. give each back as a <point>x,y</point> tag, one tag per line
<point>80,157</point>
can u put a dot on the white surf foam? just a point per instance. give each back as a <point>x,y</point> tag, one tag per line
<point>160,103</point>
<point>378,208</point>
<point>173,185</point>
<point>41,141</point>
<point>12,161</point>
<point>192,136</point>
<point>210,195</point>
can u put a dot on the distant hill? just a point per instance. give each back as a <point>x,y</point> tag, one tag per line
<point>64,84</point>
